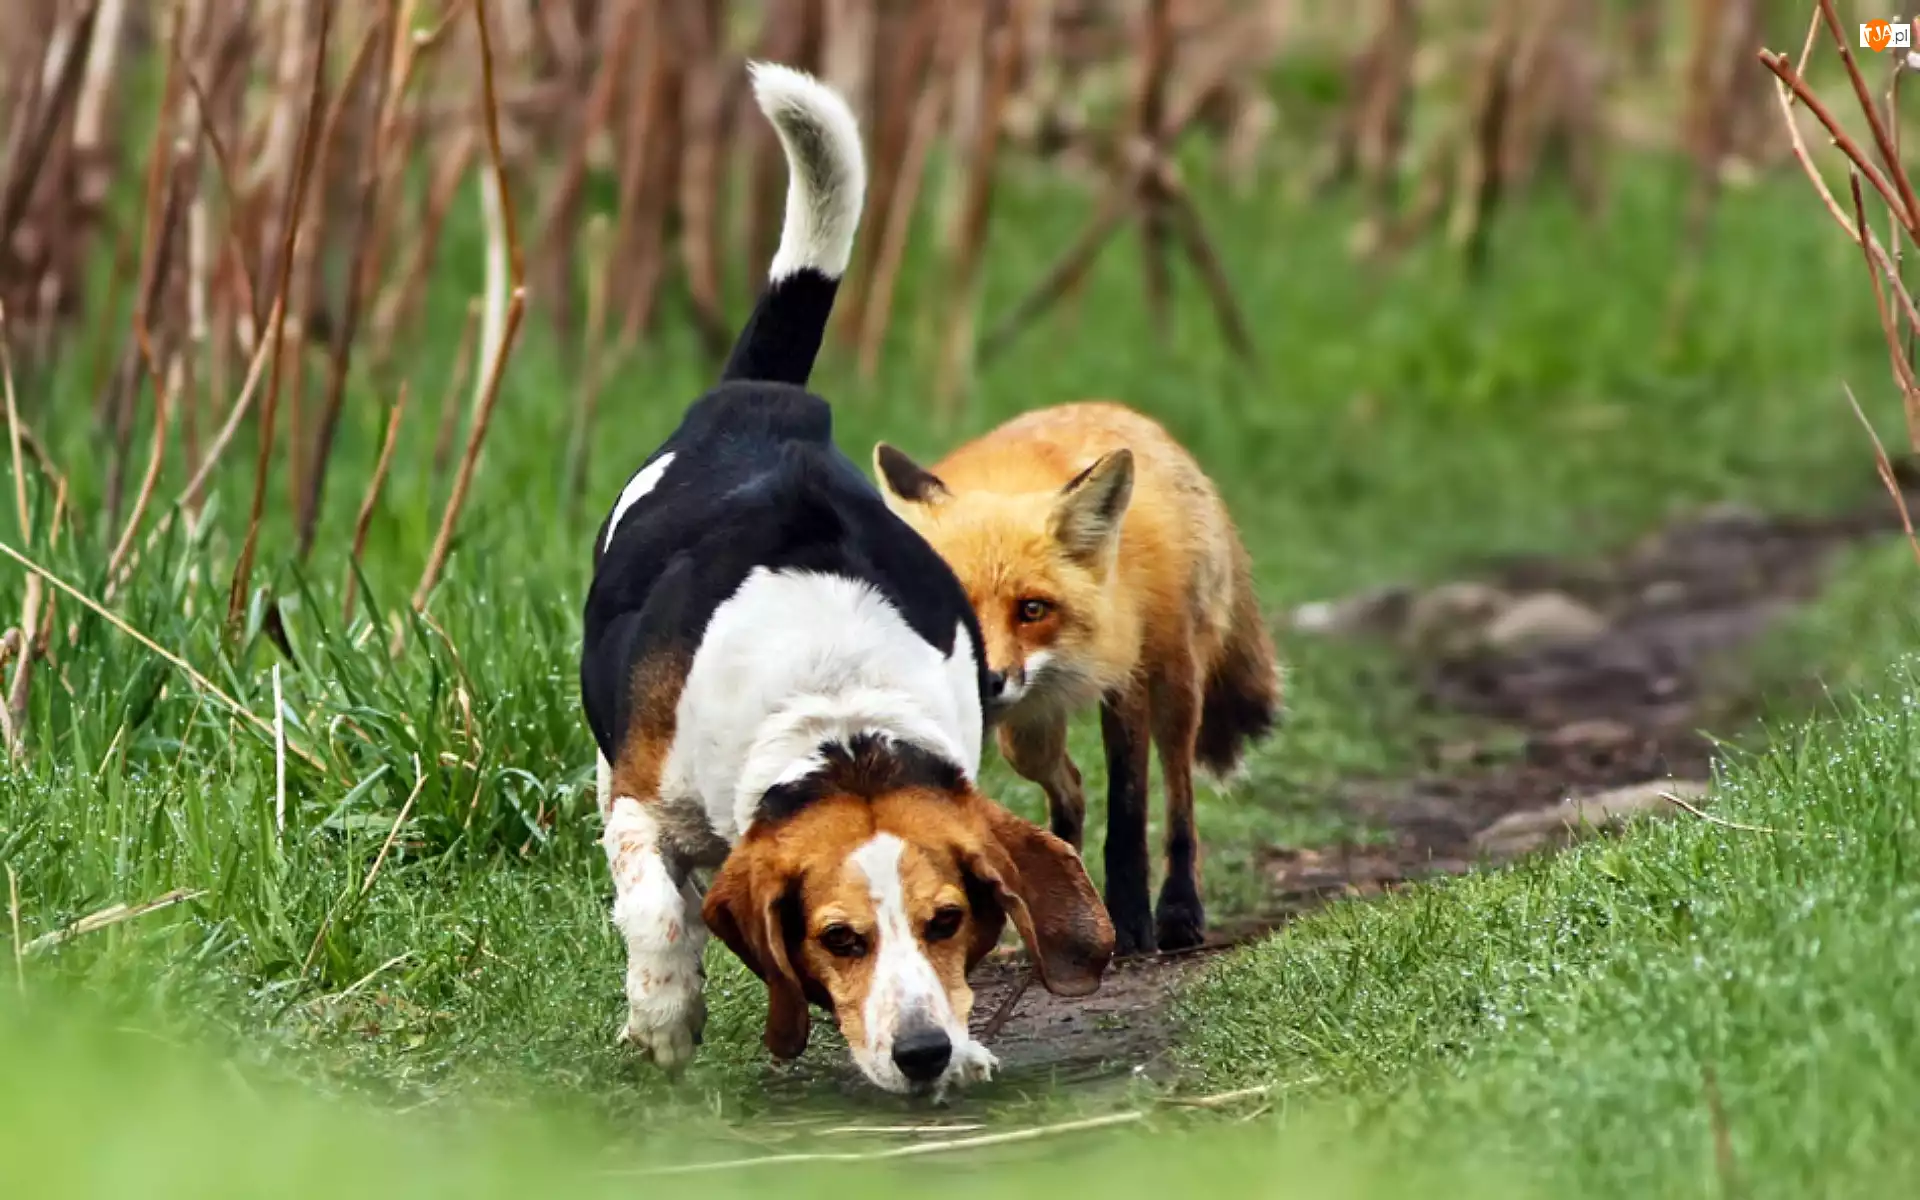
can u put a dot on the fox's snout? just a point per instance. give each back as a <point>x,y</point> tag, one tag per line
<point>1008,686</point>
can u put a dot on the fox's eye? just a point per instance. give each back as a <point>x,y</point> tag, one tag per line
<point>1032,609</point>
<point>945,924</point>
<point>842,942</point>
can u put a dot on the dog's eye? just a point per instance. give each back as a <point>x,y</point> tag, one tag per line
<point>842,942</point>
<point>1033,609</point>
<point>945,924</point>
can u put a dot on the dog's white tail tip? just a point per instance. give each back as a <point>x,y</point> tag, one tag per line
<point>826,165</point>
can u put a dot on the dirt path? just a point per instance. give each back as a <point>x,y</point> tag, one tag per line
<point>1605,671</point>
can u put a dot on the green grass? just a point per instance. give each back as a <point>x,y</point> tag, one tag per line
<point>1545,1031</point>
<point>1563,1016</point>
<point>1400,425</point>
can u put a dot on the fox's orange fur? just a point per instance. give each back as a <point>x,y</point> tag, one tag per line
<point>1104,567</point>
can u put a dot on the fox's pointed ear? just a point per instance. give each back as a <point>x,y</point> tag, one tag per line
<point>903,481</point>
<point>1086,517</point>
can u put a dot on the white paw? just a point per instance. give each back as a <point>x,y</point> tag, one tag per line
<point>972,1063</point>
<point>666,1012</point>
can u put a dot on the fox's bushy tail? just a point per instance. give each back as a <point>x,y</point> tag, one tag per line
<point>826,187</point>
<point>1241,701</point>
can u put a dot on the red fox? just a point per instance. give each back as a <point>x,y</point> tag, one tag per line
<point>1103,566</point>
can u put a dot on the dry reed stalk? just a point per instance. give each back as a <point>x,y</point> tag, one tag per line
<point>912,1150</point>
<point>205,684</point>
<point>400,304</point>
<point>1149,115</point>
<point>702,171</point>
<point>13,431</point>
<point>1477,185</point>
<point>347,332</point>
<point>876,298</point>
<point>165,180</point>
<point>13,713</point>
<point>650,181</point>
<point>897,118</point>
<point>256,368</point>
<point>290,226</point>
<point>847,53</point>
<point>310,311</point>
<point>223,166</point>
<point>957,349</point>
<point>109,916</point>
<point>792,34</point>
<point>559,217</point>
<point>505,270</point>
<point>450,395</point>
<point>593,359</point>
<point>371,500</point>
<point>1380,119</point>
<point>397,304</point>
<point>31,146</point>
<point>165,396</point>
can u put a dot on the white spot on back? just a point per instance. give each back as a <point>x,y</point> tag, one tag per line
<point>797,658</point>
<point>643,481</point>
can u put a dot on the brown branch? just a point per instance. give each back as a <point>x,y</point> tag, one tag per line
<point>1777,63</point>
<point>1908,206</point>
<point>1889,323</point>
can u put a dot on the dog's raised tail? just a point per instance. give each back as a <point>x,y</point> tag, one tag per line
<point>826,186</point>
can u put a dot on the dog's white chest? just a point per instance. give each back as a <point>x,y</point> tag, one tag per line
<point>794,659</point>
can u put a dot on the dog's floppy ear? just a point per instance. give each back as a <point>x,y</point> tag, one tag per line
<point>903,481</point>
<point>1045,892</point>
<point>746,907</point>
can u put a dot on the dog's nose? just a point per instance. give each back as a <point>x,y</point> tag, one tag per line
<point>996,684</point>
<point>923,1054</point>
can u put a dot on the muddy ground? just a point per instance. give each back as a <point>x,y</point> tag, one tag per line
<point>1605,673</point>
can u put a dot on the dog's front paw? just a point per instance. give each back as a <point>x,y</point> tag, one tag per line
<point>666,1015</point>
<point>972,1063</point>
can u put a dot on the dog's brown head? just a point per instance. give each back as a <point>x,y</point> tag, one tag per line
<point>873,887</point>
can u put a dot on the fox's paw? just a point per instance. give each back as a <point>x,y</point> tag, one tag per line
<point>1180,922</point>
<point>1132,931</point>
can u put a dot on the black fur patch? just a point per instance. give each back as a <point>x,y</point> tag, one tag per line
<point>869,767</point>
<point>756,481</point>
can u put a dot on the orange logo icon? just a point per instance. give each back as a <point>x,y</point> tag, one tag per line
<point>1878,34</point>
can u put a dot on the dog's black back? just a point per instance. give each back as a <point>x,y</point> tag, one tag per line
<point>755,481</point>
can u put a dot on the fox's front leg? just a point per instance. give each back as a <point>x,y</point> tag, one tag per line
<point>1037,750</point>
<point>666,1009</point>
<point>1125,730</point>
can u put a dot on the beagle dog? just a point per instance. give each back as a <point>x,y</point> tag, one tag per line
<point>785,683</point>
